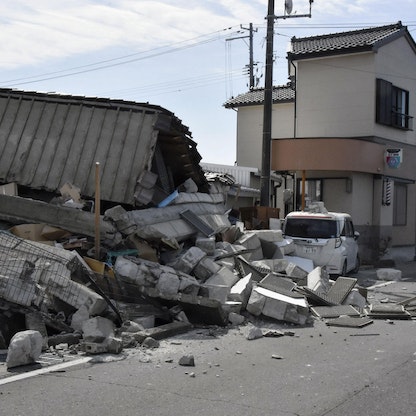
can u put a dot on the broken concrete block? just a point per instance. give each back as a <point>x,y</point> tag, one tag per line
<point>188,284</point>
<point>302,262</point>
<point>216,292</point>
<point>110,345</point>
<point>188,261</point>
<point>232,306</point>
<point>318,280</point>
<point>224,277</point>
<point>254,332</point>
<point>202,309</point>
<point>168,285</point>
<point>187,360</point>
<point>241,291</point>
<point>235,318</point>
<point>272,236</point>
<point>206,244</point>
<point>133,273</point>
<point>251,242</point>
<point>296,273</point>
<point>205,269</point>
<point>122,221</point>
<point>389,274</point>
<point>355,298</point>
<point>287,246</point>
<point>255,303</point>
<point>97,329</point>
<point>150,342</point>
<point>25,348</point>
<point>278,306</point>
<point>79,317</point>
<point>275,265</point>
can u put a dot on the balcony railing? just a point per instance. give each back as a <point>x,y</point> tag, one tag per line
<point>402,121</point>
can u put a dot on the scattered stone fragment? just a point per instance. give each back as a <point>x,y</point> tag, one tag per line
<point>254,333</point>
<point>277,357</point>
<point>150,342</point>
<point>187,361</point>
<point>235,318</point>
<point>273,333</point>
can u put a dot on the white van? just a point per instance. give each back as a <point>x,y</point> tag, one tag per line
<point>328,239</point>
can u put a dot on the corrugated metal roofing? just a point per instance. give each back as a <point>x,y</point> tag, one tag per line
<point>344,42</point>
<point>47,140</point>
<point>256,97</point>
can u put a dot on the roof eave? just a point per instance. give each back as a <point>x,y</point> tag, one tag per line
<point>333,52</point>
<point>251,104</point>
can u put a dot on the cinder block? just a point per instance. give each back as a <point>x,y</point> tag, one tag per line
<point>97,329</point>
<point>318,280</point>
<point>205,269</point>
<point>206,244</point>
<point>252,243</point>
<point>188,261</point>
<point>389,274</point>
<point>216,292</point>
<point>272,236</point>
<point>241,291</point>
<point>224,276</point>
<point>278,306</point>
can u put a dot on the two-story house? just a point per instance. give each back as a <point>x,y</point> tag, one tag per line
<point>342,131</point>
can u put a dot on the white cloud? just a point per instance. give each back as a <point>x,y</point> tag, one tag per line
<point>35,31</point>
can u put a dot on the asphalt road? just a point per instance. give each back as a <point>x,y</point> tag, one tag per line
<point>313,370</point>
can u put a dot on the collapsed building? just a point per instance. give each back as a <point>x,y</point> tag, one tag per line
<point>168,256</point>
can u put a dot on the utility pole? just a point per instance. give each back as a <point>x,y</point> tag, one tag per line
<point>268,97</point>
<point>267,113</point>
<point>251,59</point>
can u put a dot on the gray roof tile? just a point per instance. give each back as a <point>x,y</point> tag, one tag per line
<point>256,97</point>
<point>343,42</point>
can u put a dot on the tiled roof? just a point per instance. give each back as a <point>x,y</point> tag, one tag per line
<point>256,97</point>
<point>343,42</point>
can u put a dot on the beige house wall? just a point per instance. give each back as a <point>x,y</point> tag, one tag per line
<point>250,131</point>
<point>336,96</point>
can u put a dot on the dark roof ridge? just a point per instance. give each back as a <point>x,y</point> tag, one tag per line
<point>397,25</point>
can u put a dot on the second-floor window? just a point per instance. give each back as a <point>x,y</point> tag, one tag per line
<point>392,105</point>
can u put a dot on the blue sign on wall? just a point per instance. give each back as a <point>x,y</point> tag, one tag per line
<point>394,158</point>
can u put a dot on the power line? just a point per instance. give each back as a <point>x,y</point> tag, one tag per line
<point>126,59</point>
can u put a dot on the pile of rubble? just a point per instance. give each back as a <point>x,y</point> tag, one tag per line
<point>164,270</point>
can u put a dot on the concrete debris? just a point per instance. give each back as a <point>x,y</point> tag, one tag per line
<point>160,271</point>
<point>187,361</point>
<point>235,318</point>
<point>389,274</point>
<point>254,332</point>
<point>25,348</point>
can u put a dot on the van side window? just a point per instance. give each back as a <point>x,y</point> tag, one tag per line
<point>349,228</point>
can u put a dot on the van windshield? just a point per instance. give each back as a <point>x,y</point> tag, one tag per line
<point>310,228</point>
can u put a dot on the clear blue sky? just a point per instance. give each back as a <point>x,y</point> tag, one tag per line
<point>171,53</point>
